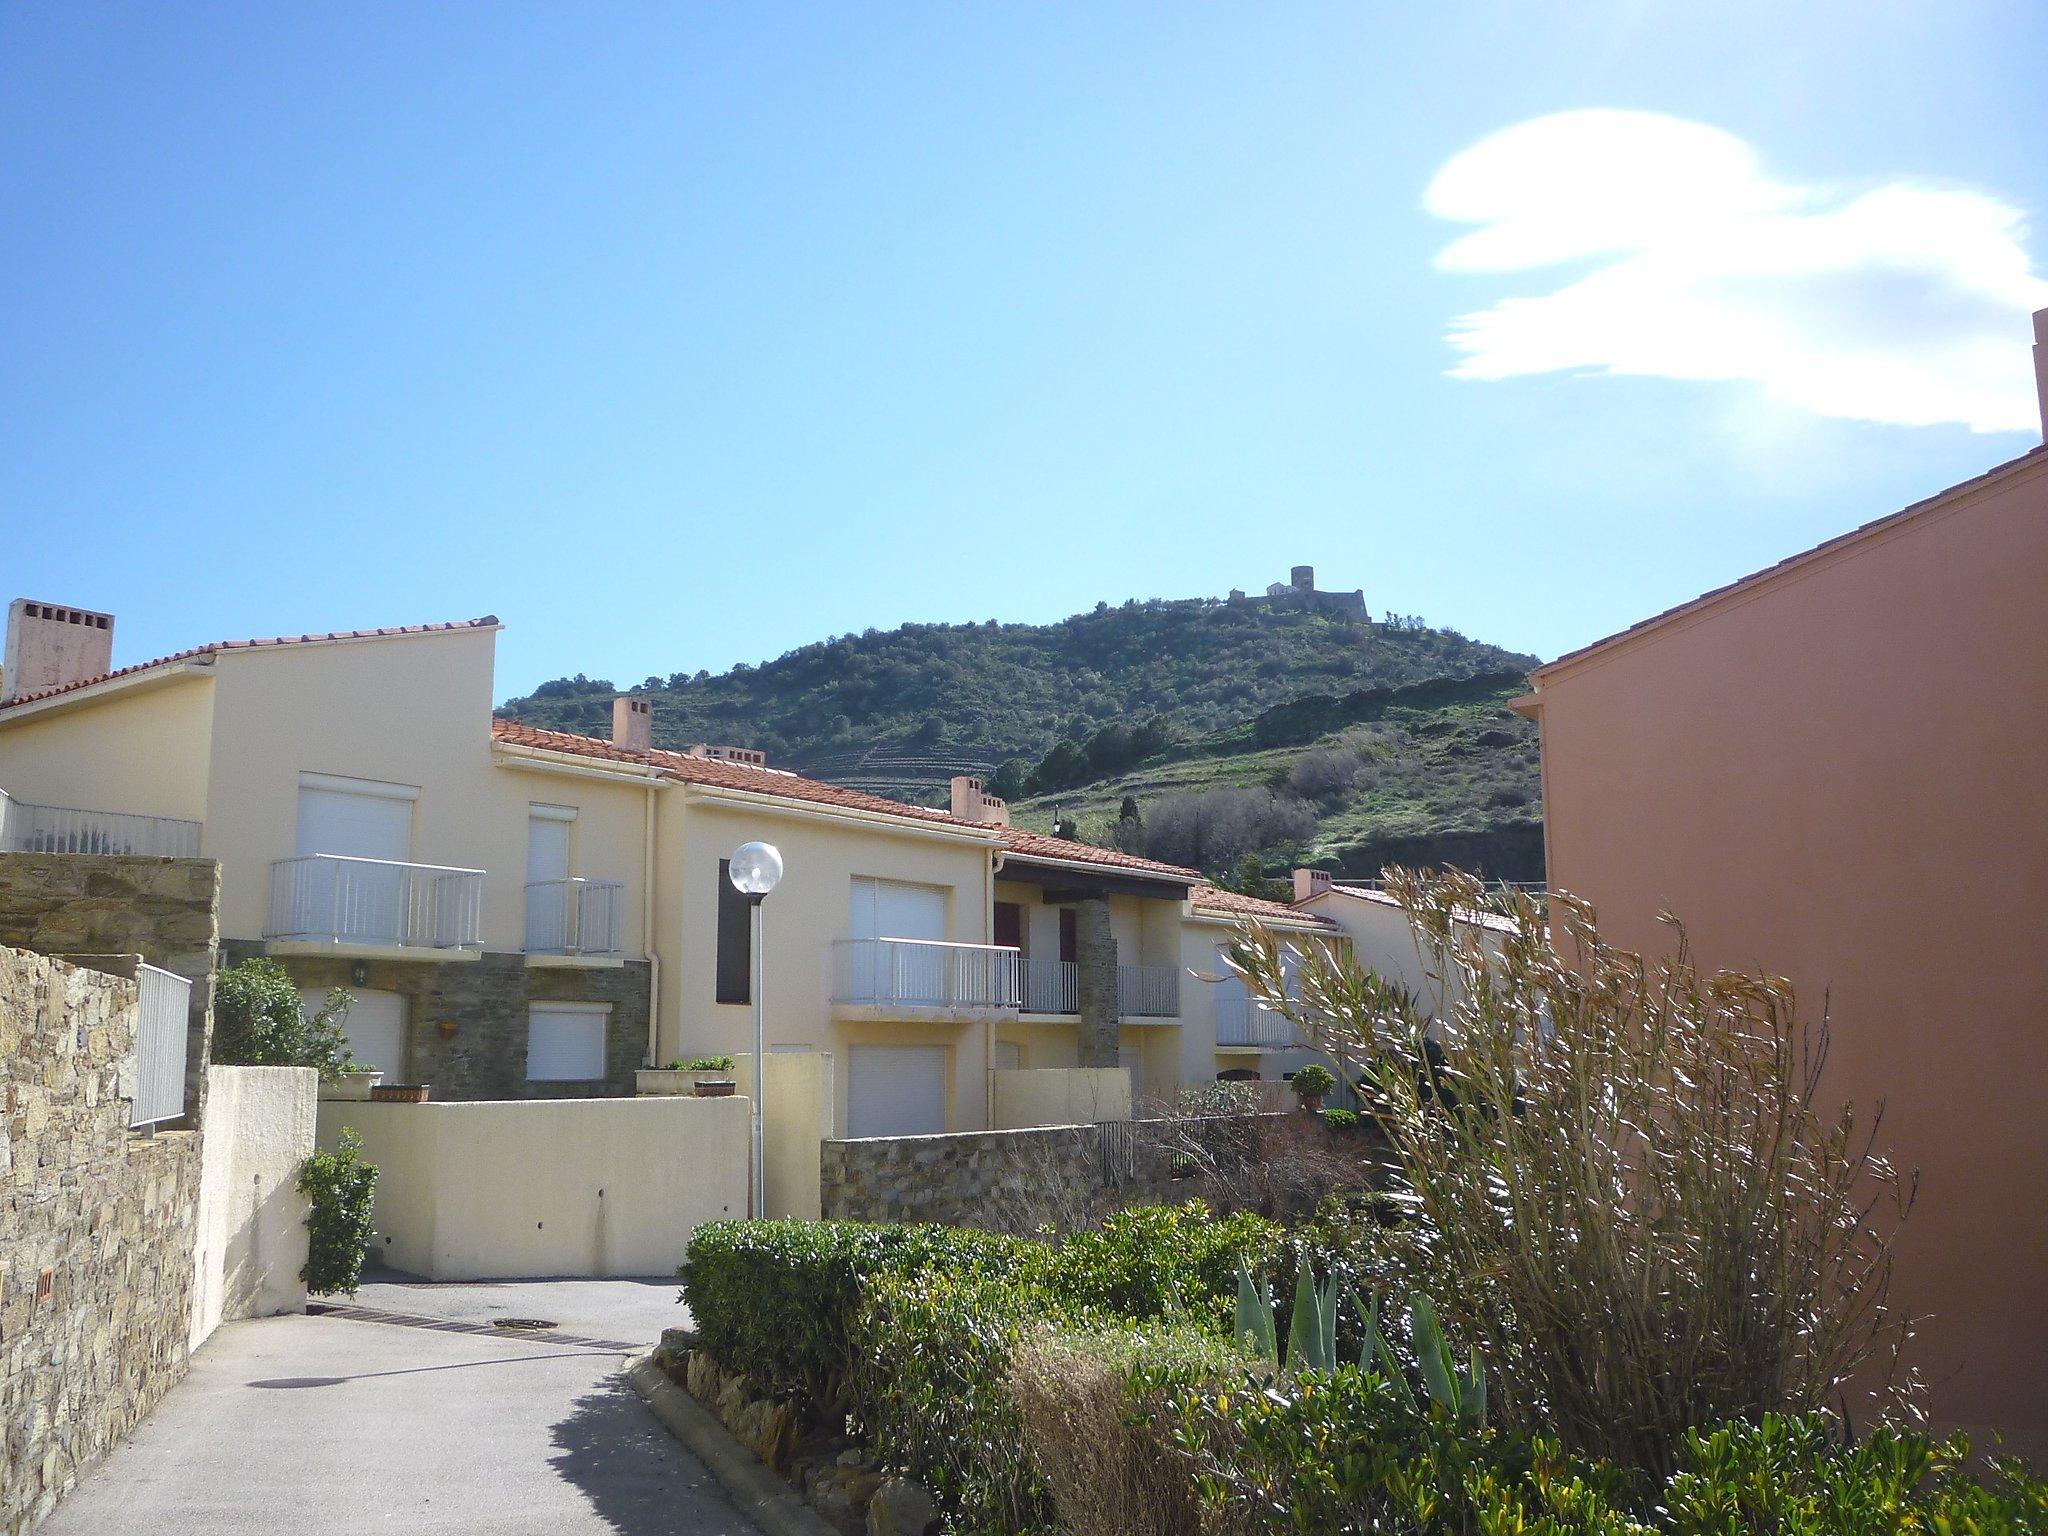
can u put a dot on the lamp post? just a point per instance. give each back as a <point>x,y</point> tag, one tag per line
<point>755,869</point>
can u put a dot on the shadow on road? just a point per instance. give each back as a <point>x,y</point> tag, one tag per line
<point>635,1476</point>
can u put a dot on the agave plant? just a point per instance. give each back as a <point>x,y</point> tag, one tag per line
<point>1312,1343</point>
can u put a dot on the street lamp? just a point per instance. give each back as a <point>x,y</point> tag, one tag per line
<point>755,869</point>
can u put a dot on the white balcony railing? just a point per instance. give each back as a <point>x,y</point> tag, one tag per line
<point>573,917</point>
<point>29,828</point>
<point>1240,1021</point>
<point>160,1032</point>
<point>1148,991</point>
<point>1052,986</point>
<point>331,898</point>
<point>923,973</point>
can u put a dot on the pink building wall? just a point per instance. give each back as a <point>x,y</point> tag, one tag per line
<point>1837,771</point>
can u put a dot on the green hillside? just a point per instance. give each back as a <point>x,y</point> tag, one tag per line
<point>1430,773</point>
<point>1356,740</point>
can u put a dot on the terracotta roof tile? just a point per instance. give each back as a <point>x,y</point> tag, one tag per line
<point>1210,898</point>
<point>790,786</point>
<point>488,621</point>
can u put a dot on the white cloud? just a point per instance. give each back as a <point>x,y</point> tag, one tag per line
<point>1898,303</point>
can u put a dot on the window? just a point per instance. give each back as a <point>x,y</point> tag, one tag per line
<point>735,941</point>
<point>565,1042</point>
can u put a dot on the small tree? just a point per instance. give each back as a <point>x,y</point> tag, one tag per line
<point>1620,1179</point>
<point>340,1189</point>
<point>260,1021</point>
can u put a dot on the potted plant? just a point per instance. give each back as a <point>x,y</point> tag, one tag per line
<point>352,1081</point>
<point>710,1076</point>
<point>1310,1084</point>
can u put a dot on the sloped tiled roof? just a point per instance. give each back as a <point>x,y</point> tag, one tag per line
<point>1214,899</point>
<point>1743,583</point>
<point>488,621</point>
<point>789,786</point>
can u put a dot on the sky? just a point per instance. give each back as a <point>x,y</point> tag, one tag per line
<point>683,335</point>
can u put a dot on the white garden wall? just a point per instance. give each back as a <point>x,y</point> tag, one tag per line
<point>250,1242</point>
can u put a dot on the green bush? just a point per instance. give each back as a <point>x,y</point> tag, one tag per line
<point>1341,1121</point>
<point>259,1020</point>
<point>775,1300</point>
<point>702,1064</point>
<point>1349,1452</point>
<point>1161,1261</point>
<point>1312,1081</point>
<point>341,1188</point>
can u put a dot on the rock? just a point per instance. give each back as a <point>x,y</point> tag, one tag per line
<point>901,1508</point>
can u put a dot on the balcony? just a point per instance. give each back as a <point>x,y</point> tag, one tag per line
<point>1244,1025</point>
<point>29,828</point>
<point>331,899</point>
<point>574,917</point>
<point>1143,991</point>
<point>1148,991</point>
<point>873,976</point>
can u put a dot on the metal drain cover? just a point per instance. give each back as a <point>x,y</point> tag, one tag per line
<point>523,1323</point>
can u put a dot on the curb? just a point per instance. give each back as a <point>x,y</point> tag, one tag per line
<point>759,1494</point>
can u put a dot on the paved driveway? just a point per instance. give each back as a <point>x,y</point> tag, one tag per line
<point>360,1422</point>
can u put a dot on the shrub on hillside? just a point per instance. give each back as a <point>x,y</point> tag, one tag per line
<point>259,1020</point>
<point>1620,1181</point>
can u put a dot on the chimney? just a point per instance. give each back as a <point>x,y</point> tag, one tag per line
<point>2041,366</point>
<point>748,757</point>
<point>1310,882</point>
<point>49,646</point>
<point>970,804</point>
<point>632,722</point>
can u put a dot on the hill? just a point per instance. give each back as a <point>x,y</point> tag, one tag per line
<point>1273,729</point>
<point>908,703</point>
<point>1427,773</point>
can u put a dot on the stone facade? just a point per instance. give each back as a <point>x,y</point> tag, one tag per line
<point>165,910</point>
<point>467,1019</point>
<point>1096,978</point>
<point>977,1178</point>
<point>96,1223</point>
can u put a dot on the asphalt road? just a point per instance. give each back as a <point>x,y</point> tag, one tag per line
<point>325,1425</point>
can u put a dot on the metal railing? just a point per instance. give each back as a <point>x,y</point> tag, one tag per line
<point>162,1019</point>
<point>335,898</point>
<point>26,827</point>
<point>573,917</point>
<point>1240,1021</point>
<point>1148,991</point>
<point>1143,991</point>
<point>1052,986</point>
<point>924,973</point>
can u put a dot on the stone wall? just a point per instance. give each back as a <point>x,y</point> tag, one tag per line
<point>968,1179</point>
<point>165,910</point>
<point>96,1223</point>
<point>467,1018</point>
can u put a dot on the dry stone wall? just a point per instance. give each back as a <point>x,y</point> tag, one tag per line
<point>96,1230</point>
<point>165,910</point>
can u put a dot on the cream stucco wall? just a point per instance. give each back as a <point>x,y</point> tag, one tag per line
<point>411,710</point>
<point>501,1190</point>
<point>250,1237</point>
<point>796,1115</point>
<point>1061,1096</point>
<point>142,750</point>
<point>810,910</point>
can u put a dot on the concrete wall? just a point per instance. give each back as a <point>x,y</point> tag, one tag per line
<point>96,1233</point>
<point>796,1116</point>
<point>251,1237</point>
<point>1039,1096</point>
<point>512,1190</point>
<point>1834,774</point>
<point>97,904</point>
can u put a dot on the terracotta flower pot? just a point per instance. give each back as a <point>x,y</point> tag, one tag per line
<point>1312,1102</point>
<point>715,1088</point>
<point>400,1093</point>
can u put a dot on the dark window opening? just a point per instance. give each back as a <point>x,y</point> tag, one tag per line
<point>735,941</point>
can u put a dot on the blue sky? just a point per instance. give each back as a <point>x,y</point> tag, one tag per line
<point>680,335</point>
